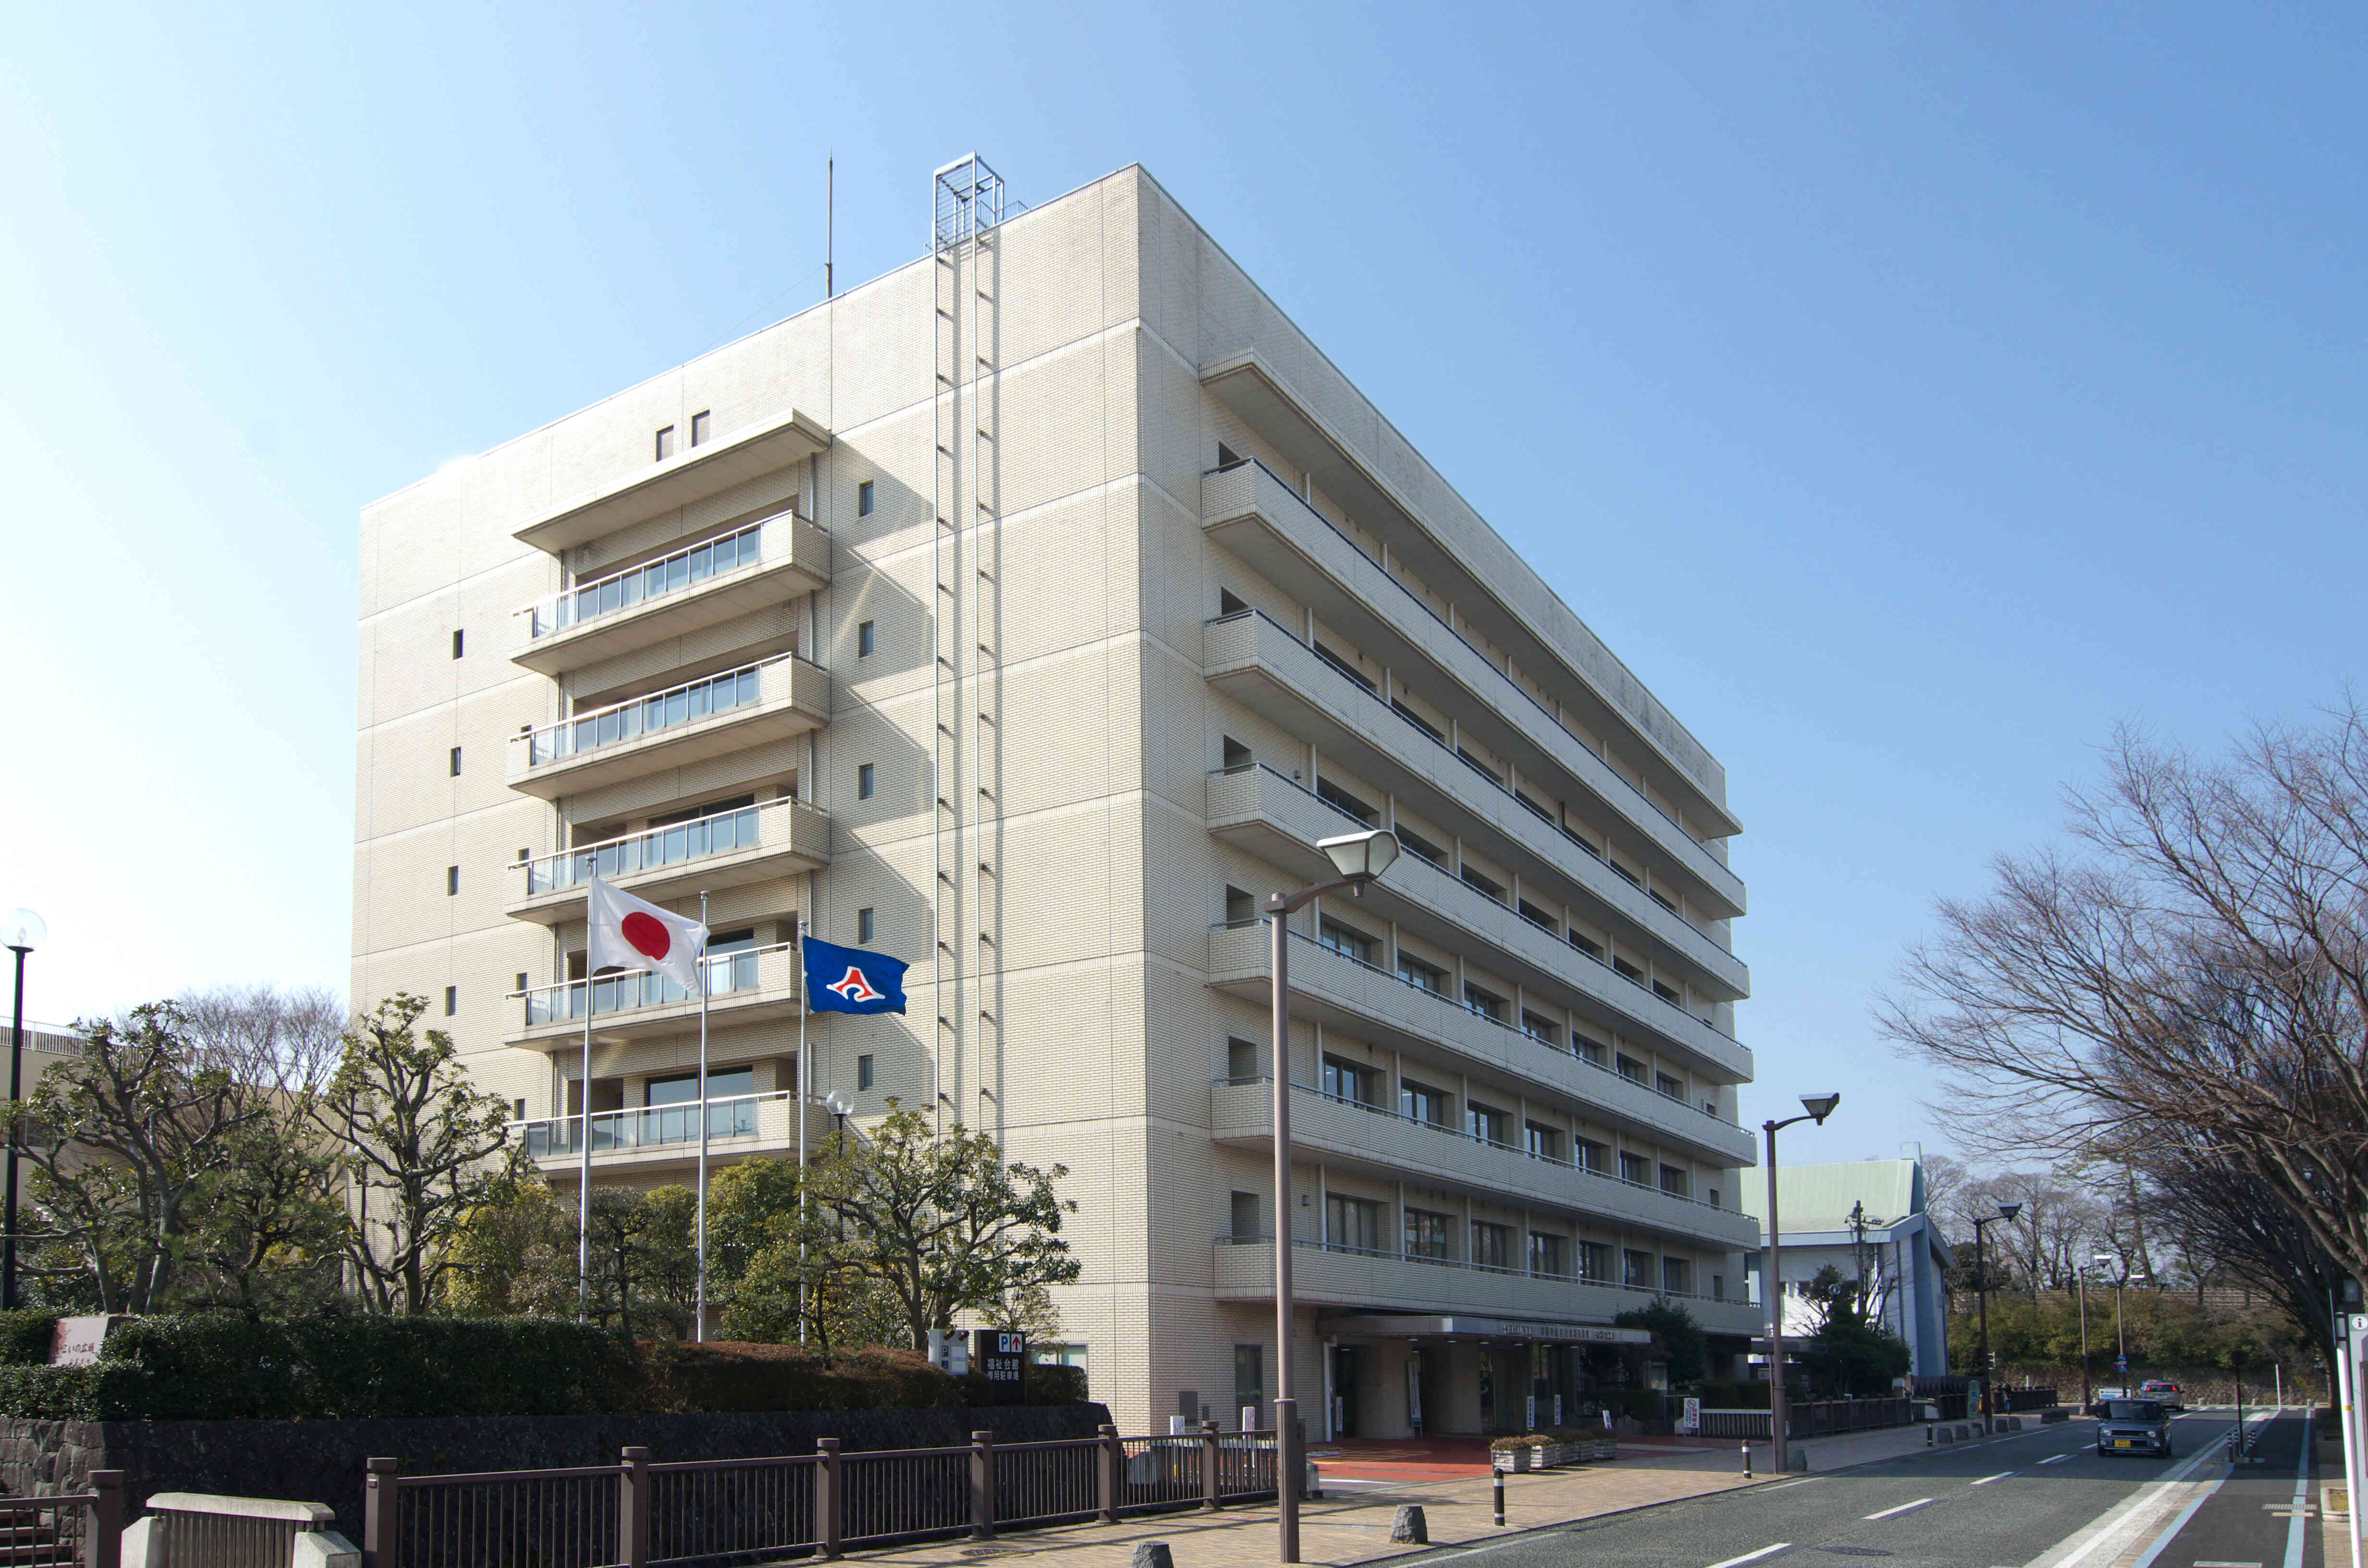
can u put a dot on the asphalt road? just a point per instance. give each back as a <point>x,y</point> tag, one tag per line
<point>2030,1498</point>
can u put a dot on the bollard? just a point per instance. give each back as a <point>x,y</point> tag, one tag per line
<point>1746,1462</point>
<point>634,1506</point>
<point>1800,1458</point>
<point>982,1487</point>
<point>1409,1527</point>
<point>828,1508</point>
<point>1152,1554</point>
<point>1499,1476</point>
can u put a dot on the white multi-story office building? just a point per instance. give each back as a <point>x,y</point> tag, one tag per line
<point>1028,614</point>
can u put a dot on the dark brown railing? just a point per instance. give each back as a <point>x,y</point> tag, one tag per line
<point>637,1514</point>
<point>65,1530</point>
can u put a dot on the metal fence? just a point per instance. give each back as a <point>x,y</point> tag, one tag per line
<point>638,1514</point>
<point>1813,1418</point>
<point>66,1529</point>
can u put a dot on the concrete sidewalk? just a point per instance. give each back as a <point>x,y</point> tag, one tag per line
<point>1351,1522</point>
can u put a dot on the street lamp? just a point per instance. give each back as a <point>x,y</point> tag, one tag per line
<point>2080,1286</point>
<point>1982,1295</point>
<point>1817,1108</point>
<point>1359,857</point>
<point>23,931</point>
<point>2120,1327</point>
<point>839,1106</point>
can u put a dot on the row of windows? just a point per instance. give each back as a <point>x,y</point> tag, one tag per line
<point>701,423</point>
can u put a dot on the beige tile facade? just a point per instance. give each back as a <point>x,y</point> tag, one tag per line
<point>1157,677</point>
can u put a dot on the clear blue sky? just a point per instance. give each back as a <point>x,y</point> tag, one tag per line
<point>1907,392</point>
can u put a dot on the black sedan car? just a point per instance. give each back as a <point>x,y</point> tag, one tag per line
<point>2133,1427</point>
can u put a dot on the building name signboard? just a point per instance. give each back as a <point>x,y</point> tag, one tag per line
<point>76,1341</point>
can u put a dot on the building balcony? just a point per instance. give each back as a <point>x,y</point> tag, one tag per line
<point>1272,817</point>
<point>662,1138</point>
<point>741,708</point>
<point>1383,1142</point>
<point>1254,659</point>
<point>733,574</point>
<point>675,484</point>
<point>1325,1276</point>
<point>751,844</point>
<point>1254,514</point>
<point>1280,820</point>
<point>1381,1006</point>
<point>760,982</point>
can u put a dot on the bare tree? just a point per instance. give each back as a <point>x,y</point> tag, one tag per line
<point>2192,980</point>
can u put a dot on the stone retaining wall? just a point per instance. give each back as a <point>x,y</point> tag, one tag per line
<point>321,1461</point>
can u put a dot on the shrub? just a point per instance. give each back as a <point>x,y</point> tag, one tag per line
<point>1049,1383</point>
<point>27,1337</point>
<point>741,1377</point>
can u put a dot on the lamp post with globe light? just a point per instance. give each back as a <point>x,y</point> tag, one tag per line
<point>1815,1108</point>
<point>23,931</point>
<point>1359,857</point>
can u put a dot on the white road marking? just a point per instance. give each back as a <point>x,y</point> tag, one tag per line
<point>2055,1459</point>
<point>2228,1565</point>
<point>1901,1509</point>
<point>2301,1496</point>
<point>1782,1484</point>
<point>1754,1556</point>
<point>2001,1476</point>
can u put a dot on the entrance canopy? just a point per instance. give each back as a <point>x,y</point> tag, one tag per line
<point>1484,1328</point>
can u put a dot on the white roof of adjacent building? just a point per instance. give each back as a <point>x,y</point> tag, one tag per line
<point>1820,1198</point>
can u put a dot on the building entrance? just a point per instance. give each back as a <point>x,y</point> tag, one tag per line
<point>1344,1390</point>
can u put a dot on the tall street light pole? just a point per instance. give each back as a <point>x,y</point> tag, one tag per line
<point>1771,1283</point>
<point>2121,1327</point>
<point>2080,1285</point>
<point>1982,1295</point>
<point>1359,857</point>
<point>23,932</point>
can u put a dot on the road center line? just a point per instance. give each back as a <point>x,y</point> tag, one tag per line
<point>2055,1459</point>
<point>1905,1507</point>
<point>1999,1476</point>
<point>1754,1556</point>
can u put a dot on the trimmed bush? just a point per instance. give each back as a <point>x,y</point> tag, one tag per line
<point>733,1376</point>
<point>1053,1384</point>
<point>27,1337</point>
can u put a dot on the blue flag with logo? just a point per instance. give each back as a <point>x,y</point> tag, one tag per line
<point>848,980</point>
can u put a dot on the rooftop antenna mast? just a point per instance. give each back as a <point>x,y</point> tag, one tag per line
<point>829,228</point>
<point>965,209</point>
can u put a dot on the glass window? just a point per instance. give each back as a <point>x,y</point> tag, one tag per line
<point>1345,939</point>
<point>1639,1269</point>
<point>1345,801</point>
<point>1345,1080</point>
<point>1677,1179</point>
<point>1352,1223</point>
<point>1677,1276</point>
<point>1430,977</point>
<point>1420,1102</point>
<point>1492,1244</point>
<point>1546,1256</point>
<point>865,498</point>
<point>1429,1234</point>
<point>1542,1142</point>
<point>724,1084</point>
<point>700,425</point>
<point>863,921</point>
<point>866,780</point>
<point>1486,1003</point>
<point>665,444</point>
<point>1487,1123</point>
<point>1635,1168</point>
<point>864,640</point>
<point>1595,1262</point>
<point>863,1073</point>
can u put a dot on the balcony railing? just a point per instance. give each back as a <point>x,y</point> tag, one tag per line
<point>1485,1016</point>
<point>646,1127</point>
<point>637,585</point>
<point>726,974</point>
<point>1710,872</point>
<point>1467,1137</point>
<point>682,705</point>
<point>719,833</point>
<point>1689,931</point>
<point>1416,601</point>
<point>1399,1255</point>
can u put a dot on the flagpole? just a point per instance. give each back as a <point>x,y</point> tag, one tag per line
<point>804,1009</point>
<point>700,1328</point>
<point>584,1175</point>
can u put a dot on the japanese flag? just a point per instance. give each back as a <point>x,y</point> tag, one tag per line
<point>633,932</point>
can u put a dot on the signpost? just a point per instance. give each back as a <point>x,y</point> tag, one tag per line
<point>1002,1358</point>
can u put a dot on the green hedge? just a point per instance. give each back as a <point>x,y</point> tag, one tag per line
<point>27,1337</point>
<point>735,1376</point>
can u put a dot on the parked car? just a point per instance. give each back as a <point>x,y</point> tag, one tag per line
<point>2133,1427</point>
<point>2162,1389</point>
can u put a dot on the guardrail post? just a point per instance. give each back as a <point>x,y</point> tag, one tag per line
<point>1211,1492</point>
<point>1108,1455</point>
<point>105,1548</point>
<point>830,1507</point>
<point>982,1487</point>
<point>634,1507</point>
<point>381,1519</point>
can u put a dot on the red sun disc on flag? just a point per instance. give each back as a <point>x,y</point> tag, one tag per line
<point>648,935</point>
